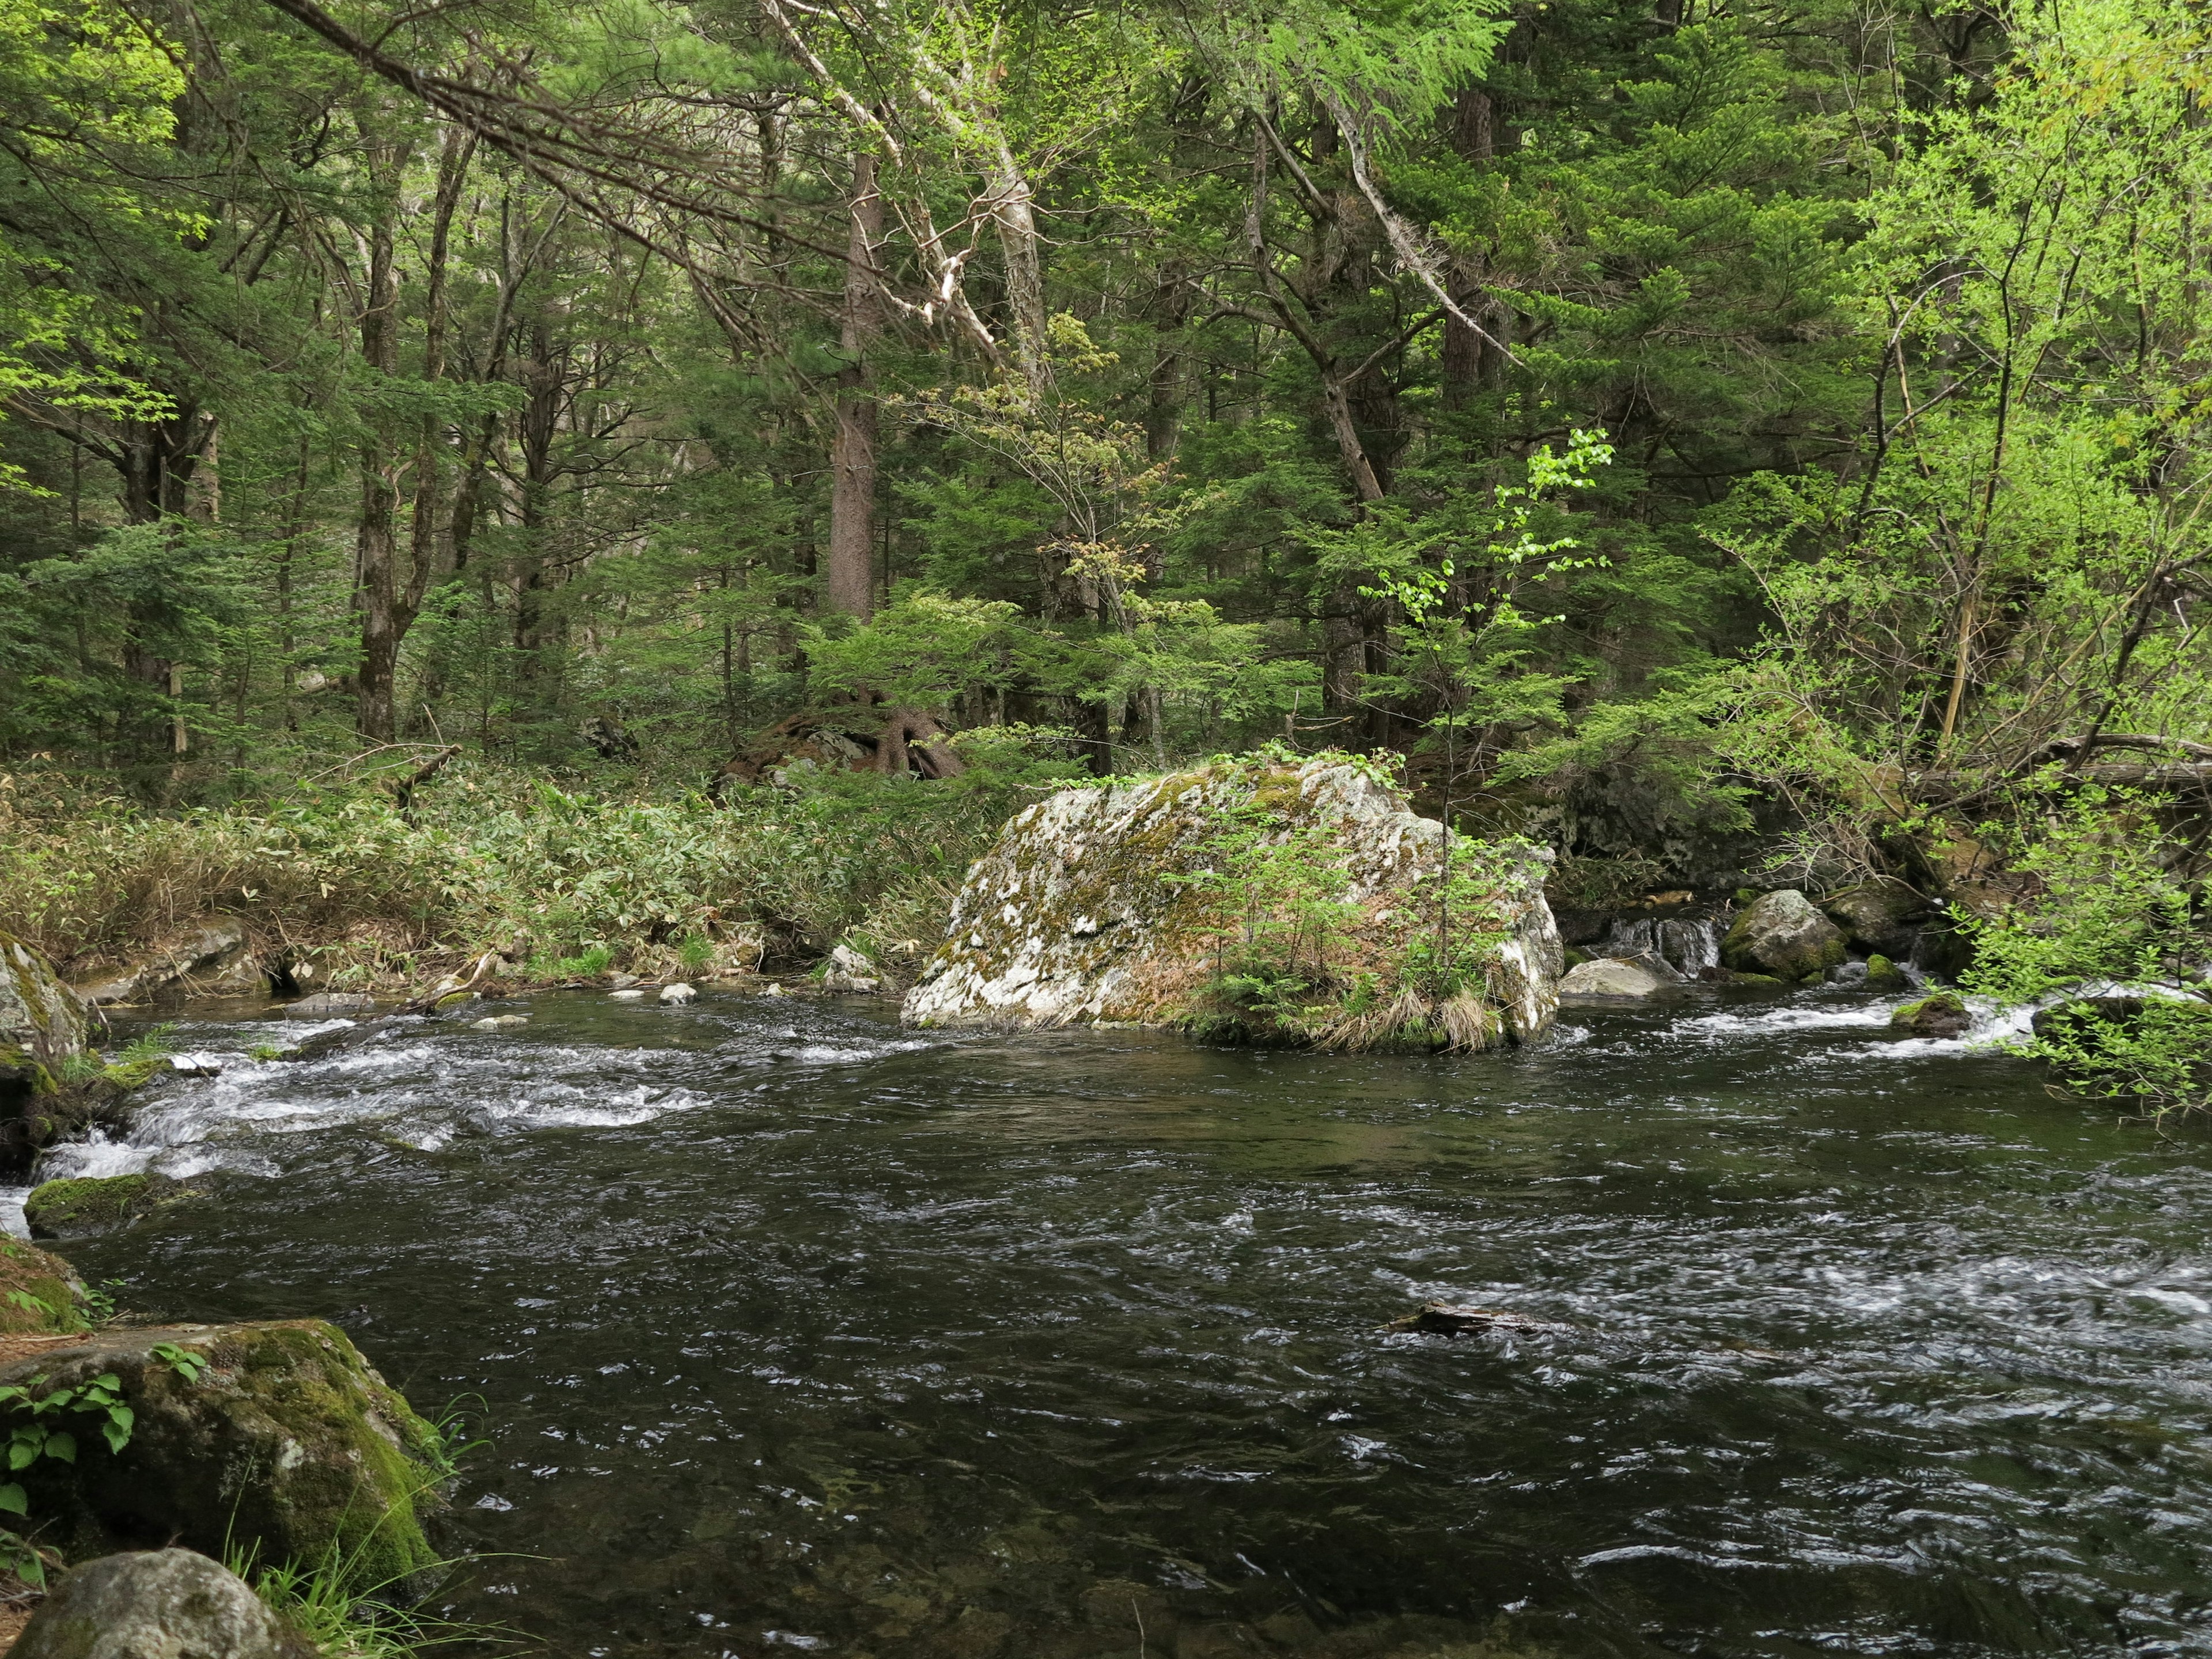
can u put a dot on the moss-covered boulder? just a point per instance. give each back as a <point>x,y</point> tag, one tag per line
<point>1941,1014</point>
<point>42,1026</point>
<point>1263,898</point>
<point>78,1205</point>
<point>40,1293</point>
<point>277,1438</point>
<point>1782,934</point>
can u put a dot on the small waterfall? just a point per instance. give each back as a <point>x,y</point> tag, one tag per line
<point>1682,949</point>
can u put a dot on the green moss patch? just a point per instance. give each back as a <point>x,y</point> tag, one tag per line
<point>89,1203</point>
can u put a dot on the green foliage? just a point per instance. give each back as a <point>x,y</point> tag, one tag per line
<point>36,1434</point>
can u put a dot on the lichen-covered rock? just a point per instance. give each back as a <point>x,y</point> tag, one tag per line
<point>277,1438</point>
<point>76,1205</point>
<point>330,1004</point>
<point>1782,934</point>
<point>1135,902</point>
<point>1609,978</point>
<point>1882,916</point>
<point>42,1025</point>
<point>156,1604</point>
<point>39,1292</point>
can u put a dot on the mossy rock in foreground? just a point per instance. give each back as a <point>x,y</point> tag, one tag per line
<point>285,1443</point>
<point>78,1205</point>
<point>1942,1014</point>
<point>38,1292</point>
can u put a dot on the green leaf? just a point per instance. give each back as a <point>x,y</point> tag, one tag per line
<point>62,1446</point>
<point>12,1499</point>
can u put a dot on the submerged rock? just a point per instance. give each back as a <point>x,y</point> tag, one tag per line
<point>848,970</point>
<point>1611,978</point>
<point>1444,1319</point>
<point>277,1438</point>
<point>677,995</point>
<point>499,1023</point>
<point>626,996</point>
<point>156,1604</point>
<point>1782,934</point>
<point>75,1206</point>
<point>1163,901</point>
<point>1943,1014</point>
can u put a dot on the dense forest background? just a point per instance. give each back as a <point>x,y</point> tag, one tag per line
<point>1656,421</point>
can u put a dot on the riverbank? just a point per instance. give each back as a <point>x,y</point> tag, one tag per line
<point>348,888</point>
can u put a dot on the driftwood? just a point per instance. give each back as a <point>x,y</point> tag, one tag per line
<point>2195,772</point>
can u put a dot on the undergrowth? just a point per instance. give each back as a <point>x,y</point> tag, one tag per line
<point>571,883</point>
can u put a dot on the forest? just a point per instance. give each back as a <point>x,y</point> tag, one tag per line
<point>769,438</point>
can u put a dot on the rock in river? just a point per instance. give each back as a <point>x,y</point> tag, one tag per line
<point>156,1604</point>
<point>1942,1014</point>
<point>1609,978</point>
<point>1782,934</point>
<point>330,1004</point>
<point>276,1436</point>
<point>1133,902</point>
<point>75,1206</point>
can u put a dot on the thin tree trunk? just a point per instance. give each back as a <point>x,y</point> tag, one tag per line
<point>850,588</point>
<point>377,544</point>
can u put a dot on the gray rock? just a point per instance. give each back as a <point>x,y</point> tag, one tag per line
<point>1782,934</point>
<point>625,996</point>
<point>849,970</point>
<point>42,1024</point>
<point>214,957</point>
<point>500,1023</point>
<point>1094,905</point>
<point>676,995</point>
<point>330,1004</point>
<point>1610,978</point>
<point>156,1604</point>
<point>1882,916</point>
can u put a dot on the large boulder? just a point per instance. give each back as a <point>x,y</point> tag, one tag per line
<point>1257,898</point>
<point>39,1293</point>
<point>156,1604</point>
<point>276,1437</point>
<point>1610,979</point>
<point>1781,934</point>
<point>42,1026</point>
<point>1882,917</point>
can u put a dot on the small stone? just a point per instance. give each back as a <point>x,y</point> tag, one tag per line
<point>773,989</point>
<point>676,995</point>
<point>156,1604</point>
<point>330,1004</point>
<point>500,1023</point>
<point>625,996</point>
<point>1612,979</point>
<point>194,1064</point>
<point>622,981</point>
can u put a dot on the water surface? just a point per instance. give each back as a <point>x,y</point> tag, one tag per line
<point>787,1330</point>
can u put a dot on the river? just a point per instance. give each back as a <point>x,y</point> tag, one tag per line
<point>786,1329</point>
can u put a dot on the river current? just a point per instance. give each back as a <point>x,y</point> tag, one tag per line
<point>783,1328</point>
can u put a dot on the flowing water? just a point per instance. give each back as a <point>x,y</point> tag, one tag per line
<point>787,1330</point>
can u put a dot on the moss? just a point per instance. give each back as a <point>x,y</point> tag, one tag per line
<point>38,1291</point>
<point>1881,970</point>
<point>85,1204</point>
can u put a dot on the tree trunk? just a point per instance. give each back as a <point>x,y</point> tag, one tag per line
<point>850,588</point>
<point>377,542</point>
